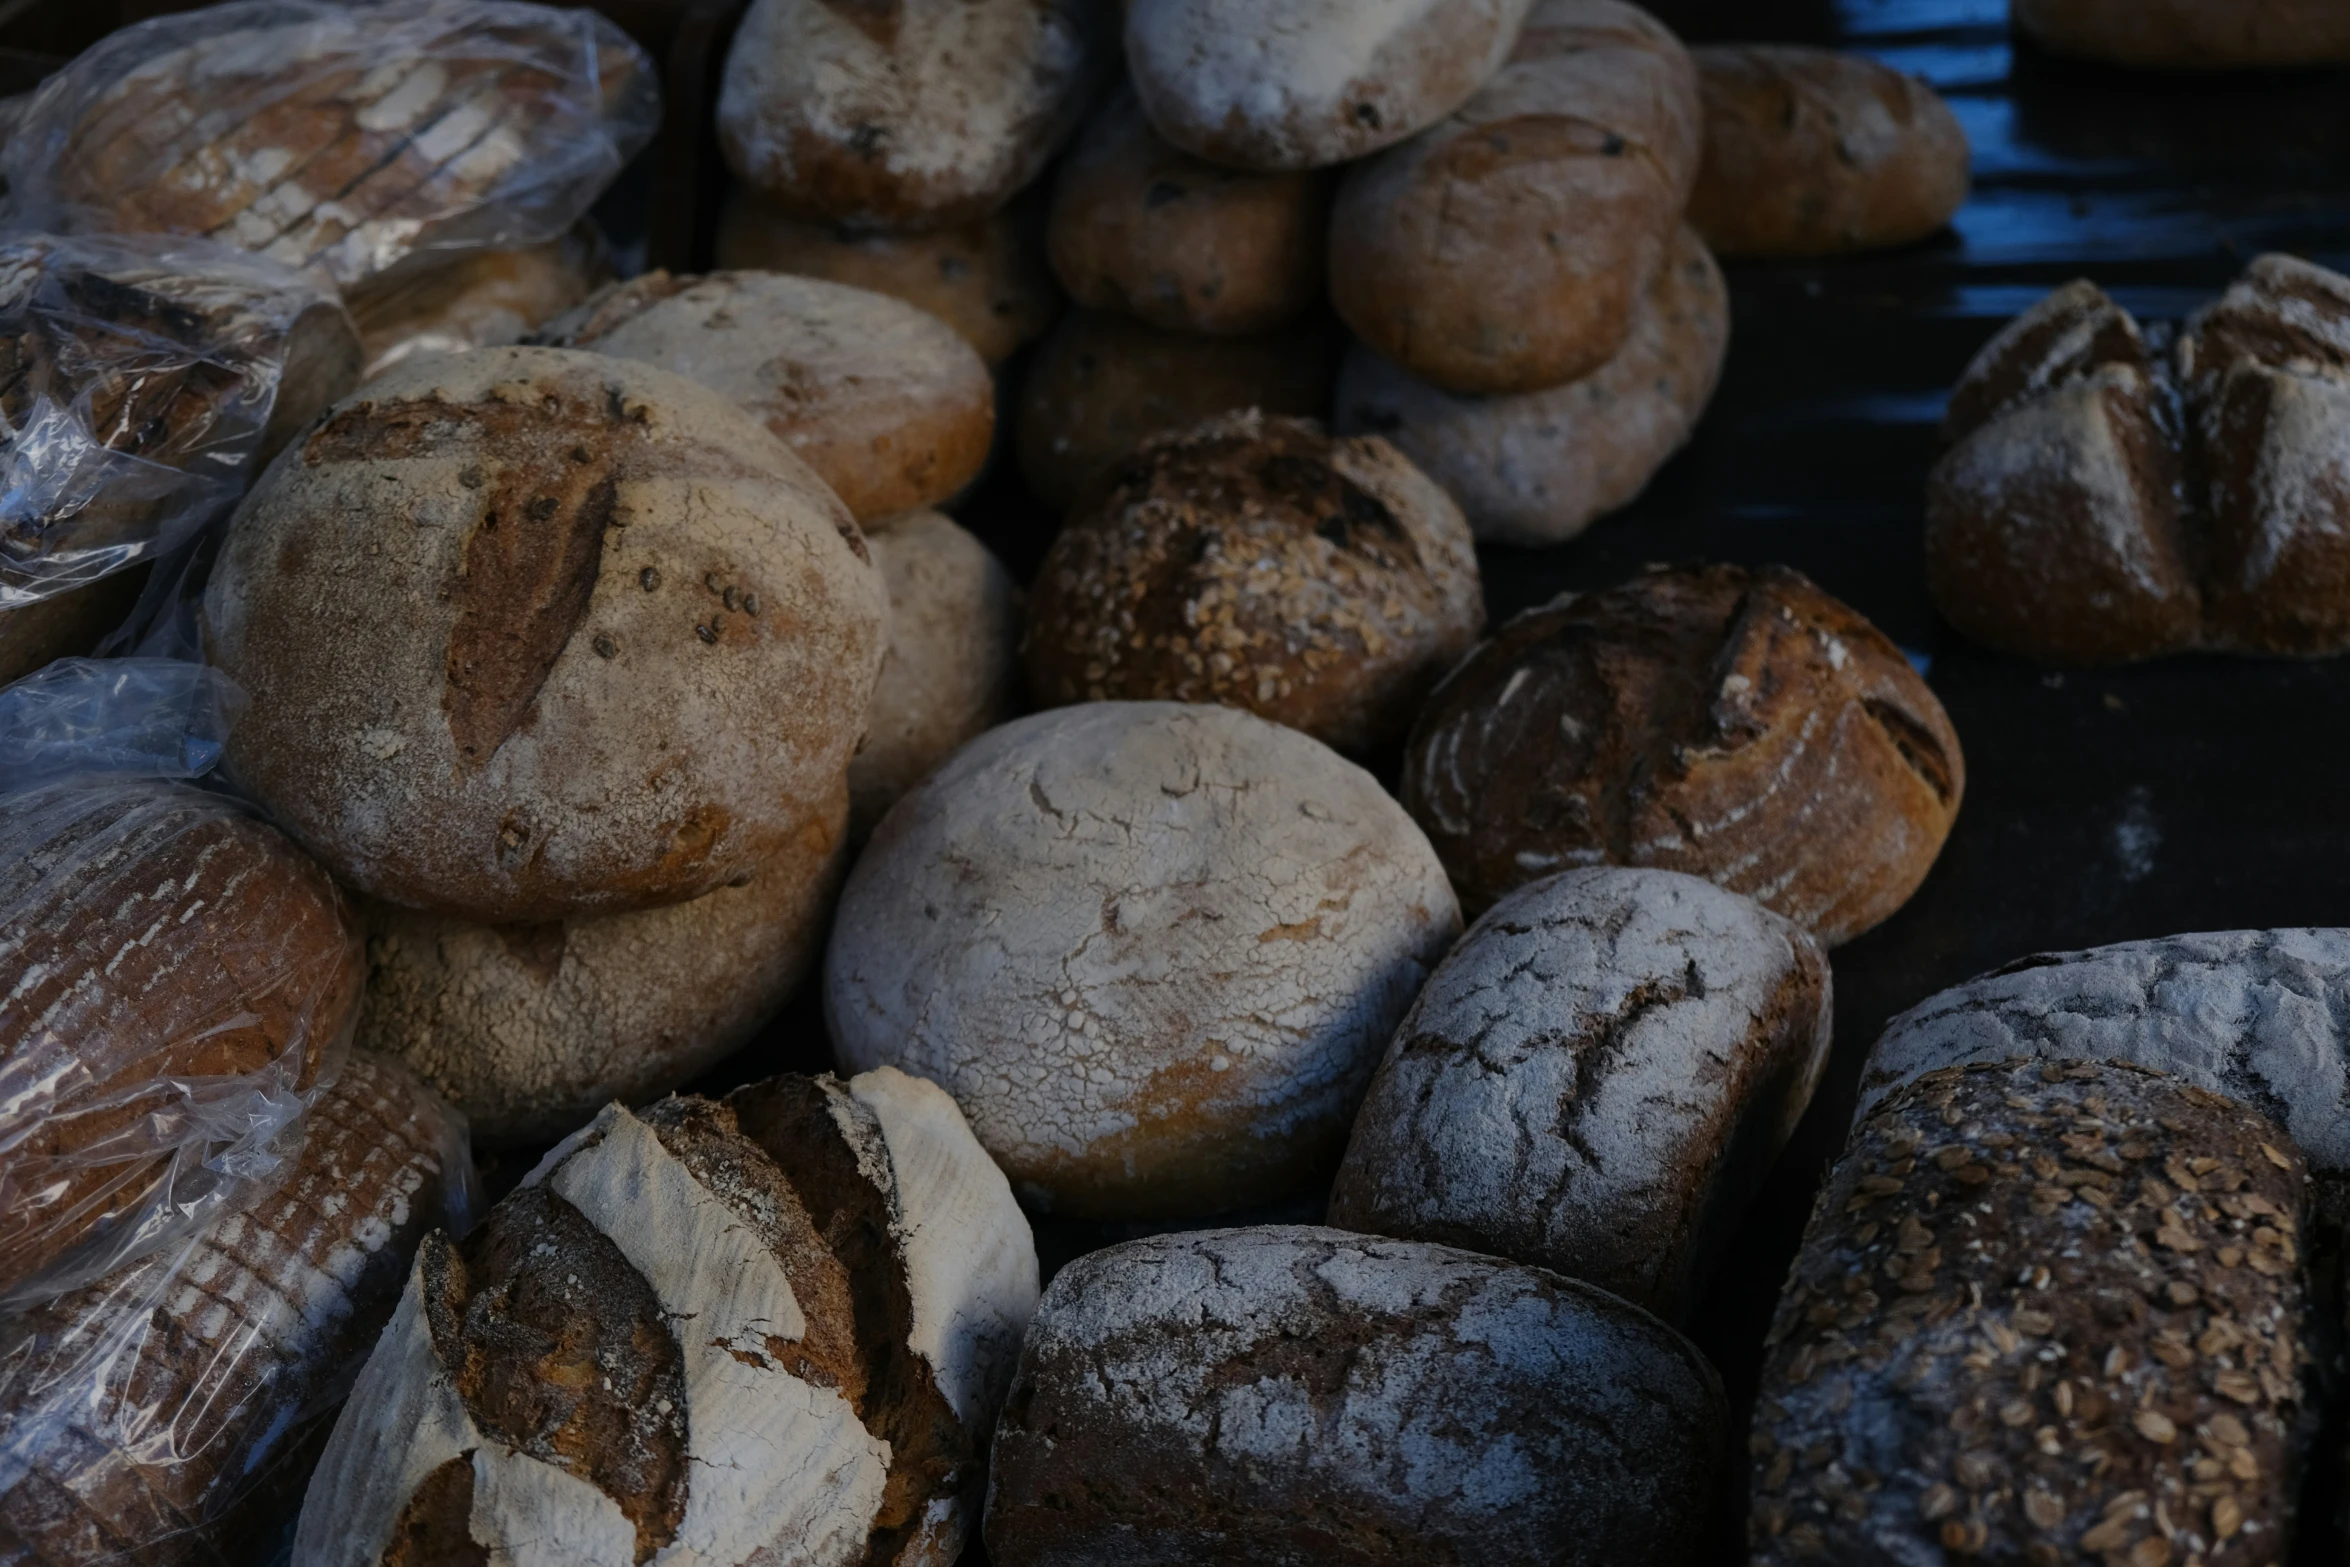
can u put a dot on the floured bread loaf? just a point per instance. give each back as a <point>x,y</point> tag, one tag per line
<point>773,1328</point>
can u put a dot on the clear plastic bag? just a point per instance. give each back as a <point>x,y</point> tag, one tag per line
<point>171,1411</point>
<point>143,380</point>
<point>124,717</point>
<point>339,139</point>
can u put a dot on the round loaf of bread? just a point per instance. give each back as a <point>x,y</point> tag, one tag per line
<point>477,299</point>
<point>905,113</point>
<point>1810,152</point>
<point>1140,227</point>
<point>1595,1080</point>
<point>774,1328</point>
<point>953,668</point>
<point>1739,725</point>
<point>987,278</point>
<point>529,1030</point>
<point>1255,562</point>
<point>886,402</point>
<point>1152,950</point>
<point>2043,1312</point>
<point>2190,35</point>
<point>237,1344</point>
<point>1293,1394</point>
<point>1506,250</point>
<point>1302,84</point>
<point>1539,467</point>
<point>533,634</point>
<point>1101,384</point>
<point>174,976</point>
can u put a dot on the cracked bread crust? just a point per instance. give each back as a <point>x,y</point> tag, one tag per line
<point>1153,951</point>
<point>2044,1310</point>
<point>1594,1081</point>
<point>1740,725</point>
<point>1291,1395</point>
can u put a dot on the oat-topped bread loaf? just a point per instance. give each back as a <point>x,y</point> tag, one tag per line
<point>237,1344</point>
<point>1506,249</point>
<point>2193,35</point>
<point>1153,951</point>
<point>175,977</point>
<point>533,634</point>
<point>906,114</point>
<point>2110,494</point>
<point>1740,725</point>
<point>1254,561</point>
<point>886,402</point>
<point>340,140</point>
<point>772,1328</point>
<point>479,298</point>
<point>1595,1080</point>
<point>1291,1396</point>
<point>2044,1311</point>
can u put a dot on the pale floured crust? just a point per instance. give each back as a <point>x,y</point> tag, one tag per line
<point>1152,950</point>
<point>1595,1081</point>
<point>1302,84</point>
<point>1539,467</point>
<point>534,634</point>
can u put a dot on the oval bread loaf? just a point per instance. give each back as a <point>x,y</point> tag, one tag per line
<point>771,1328</point>
<point>1595,1080</point>
<point>1539,467</point>
<point>2192,35</point>
<point>1302,84</point>
<point>1295,1395</point>
<point>905,114</point>
<point>533,634</point>
<point>886,402</point>
<point>1739,725</point>
<point>478,299</point>
<point>1219,922</point>
<point>1253,561</point>
<point>1507,249</point>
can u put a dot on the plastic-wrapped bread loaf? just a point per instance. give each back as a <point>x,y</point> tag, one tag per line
<point>234,1343</point>
<point>340,139</point>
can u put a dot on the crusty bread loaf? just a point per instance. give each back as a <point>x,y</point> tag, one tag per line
<point>1288,1396</point>
<point>2193,35</point>
<point>2043,1312</point>
<point>987,278</point>
<point>236,1345</point>
<point>1101,384</point>
<point>477,299</point>
<point>533,634</point>
<point>65,625</point>
<point>775,1328</point>
<point>1506,249</point>
<point>173,975</point>
<point>1595,1081</point>
<point>1739,725</point>
<point>1140,227</point>
<point>1303,84</point>
<point>953,668</point>
<point>1809,152</point>
<point>1254,561</point>
<point>1219,922</point>
<point>906,114</point>
<point>886,402</point>
<point>529,1030</point>
<point>1539,467</point>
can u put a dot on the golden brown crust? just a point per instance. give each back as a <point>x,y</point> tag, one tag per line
<point>1810,152</point>
<point>478,299</point>
<point>1738,725</point>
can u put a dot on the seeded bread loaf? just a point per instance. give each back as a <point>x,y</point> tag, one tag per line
<point>1290,1396</point>
<point>1219,923</point>
<point>1595,1080</point>
<point>175,977</point>
<point>237,1345</point>
<point>533,634</point>
<point>2044,1311</point>
<point>1506,249</point>
<point>1253,561</point>
<point>1739,725</point>
<point>478,299</point>
<point>771,1328</point>
<point>891,408</point>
